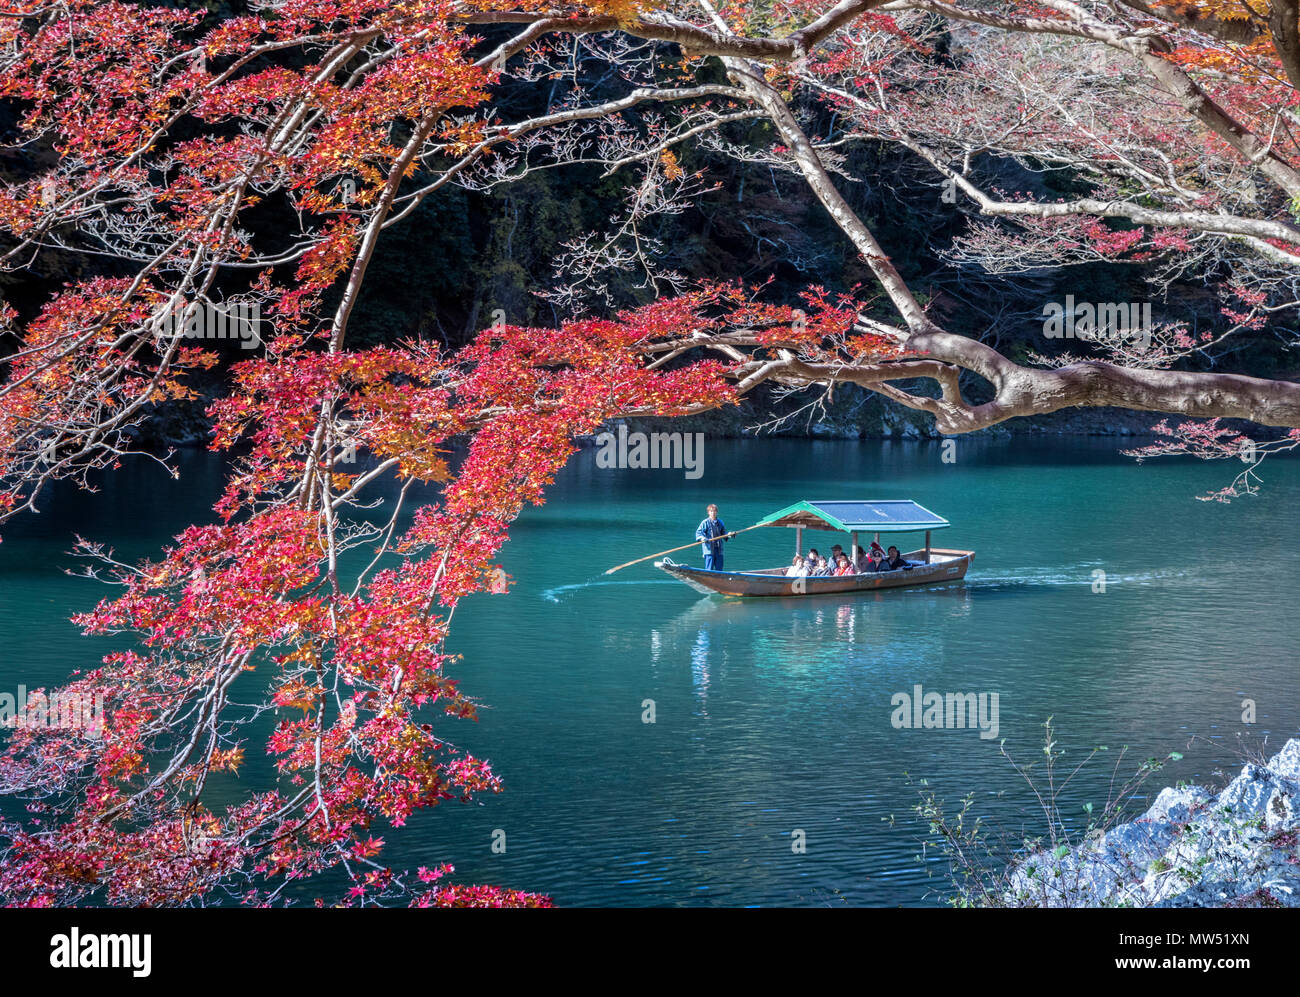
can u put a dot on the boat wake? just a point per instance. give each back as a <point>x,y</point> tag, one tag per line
<point>555,594</point>
<point>1073,575</point>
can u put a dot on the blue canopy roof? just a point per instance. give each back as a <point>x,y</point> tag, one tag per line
<point>846,515</point>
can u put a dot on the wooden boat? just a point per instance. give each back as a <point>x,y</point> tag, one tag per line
<point>929,565</point>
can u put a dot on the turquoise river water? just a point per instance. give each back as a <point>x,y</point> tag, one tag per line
<point>772,719</point>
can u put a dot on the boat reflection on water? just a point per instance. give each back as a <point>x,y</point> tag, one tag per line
<point>838,639</point>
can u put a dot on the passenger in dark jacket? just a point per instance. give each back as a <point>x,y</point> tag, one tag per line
<point>894,561</point>
<point>876,558</point>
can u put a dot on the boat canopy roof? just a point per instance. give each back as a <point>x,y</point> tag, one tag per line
<point>845,515</point>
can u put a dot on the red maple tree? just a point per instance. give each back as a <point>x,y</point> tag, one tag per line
<point>157,137</point>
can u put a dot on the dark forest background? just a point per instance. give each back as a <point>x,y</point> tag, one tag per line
<point>441,273</point>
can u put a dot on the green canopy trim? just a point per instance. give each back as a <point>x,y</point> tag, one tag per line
<point>848,516</point>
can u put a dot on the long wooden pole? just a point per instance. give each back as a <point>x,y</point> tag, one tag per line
<point>674,550</point>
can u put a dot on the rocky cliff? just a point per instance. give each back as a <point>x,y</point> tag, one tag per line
<point>1192,848</point>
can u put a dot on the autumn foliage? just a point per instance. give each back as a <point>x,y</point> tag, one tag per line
<point>256,162</point>
<point>298,597</point>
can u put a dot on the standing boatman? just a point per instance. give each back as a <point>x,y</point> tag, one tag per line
<point>708,533</point>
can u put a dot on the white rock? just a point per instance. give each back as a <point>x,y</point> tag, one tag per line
<point>1176,804</point>
<point>1189,849</point>
<point>1282,811</point>
<point>1286,762</point>
<point>1249,793</point>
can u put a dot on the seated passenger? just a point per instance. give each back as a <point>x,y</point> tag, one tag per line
<point>797,568</point>
<point>860,564</point>
<point>882,559</point>
<point>895,560</point>
<point>842,566</point>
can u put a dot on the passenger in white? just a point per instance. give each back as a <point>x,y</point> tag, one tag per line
<point>816,564</point>
<point>797,568</point>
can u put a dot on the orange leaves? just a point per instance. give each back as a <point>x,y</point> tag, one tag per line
<point>819,331</point>
<point>672,170</point>
<point>434,78</point>
<point>89,75</point>
<point>253,94</point>
<point>416,458</point>
<point>329,258</point>
<point>233,35</point>
<point>388,402</point>
<point>296,693</point>
<point>227,760</point>
<point>866,348</point>
<point>624,11</point>
<point>1224,10</point>
<point>1241,69</point>
<point>1254,63</point>
<point>119,761</point>
<point>462,136</point>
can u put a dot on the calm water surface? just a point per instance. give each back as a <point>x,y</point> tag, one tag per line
<point>774,716</point>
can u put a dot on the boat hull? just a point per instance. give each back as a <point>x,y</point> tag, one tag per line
<point>944,566</point>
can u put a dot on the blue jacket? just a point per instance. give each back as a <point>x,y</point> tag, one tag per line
<point>707,529</point>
